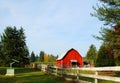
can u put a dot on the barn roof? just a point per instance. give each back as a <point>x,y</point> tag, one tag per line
<point>63,54</point>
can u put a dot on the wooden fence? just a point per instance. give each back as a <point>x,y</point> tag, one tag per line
<point>76,72</point>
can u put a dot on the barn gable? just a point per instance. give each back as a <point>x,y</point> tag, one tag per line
<point>64,54</point>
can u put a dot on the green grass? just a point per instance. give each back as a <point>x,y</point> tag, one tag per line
<point>25,75</point>
<point>48,63</point>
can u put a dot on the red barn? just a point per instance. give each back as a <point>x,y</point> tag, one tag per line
<point>70,58</point>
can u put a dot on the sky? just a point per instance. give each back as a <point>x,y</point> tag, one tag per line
<point>53,26</point>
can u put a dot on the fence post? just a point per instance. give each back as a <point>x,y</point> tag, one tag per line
<point>51,69</point>
<point>56,70</point>
<point>96,80</point>
<point>77,74</point>
<point>62,72</point>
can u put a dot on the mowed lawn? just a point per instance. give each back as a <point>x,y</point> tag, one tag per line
<point>26,75</point>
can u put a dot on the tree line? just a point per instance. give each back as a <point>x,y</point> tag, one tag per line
<point>109,52</point>
<point>42,57</point>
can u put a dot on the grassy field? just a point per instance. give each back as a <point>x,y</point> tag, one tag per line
<point>48,63</point>
<point>25,75</point>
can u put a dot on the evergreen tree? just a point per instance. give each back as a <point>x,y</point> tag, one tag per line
<point>36,58</point>
<point>91,54</point>
<point>39,59</point>
<point>109,12</point>
<point>103,57</point>
<point>56,56</point>
<point>41,56</point>
<point>14,46</point>
<point>2,59</point>
<point>115,44</point>
<point>32,57</point>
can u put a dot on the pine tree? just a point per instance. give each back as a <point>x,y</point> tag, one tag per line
<point>14,46</point>
<point>37,58</point>
<point>2,58</point>
<point>109,12</point>
<point>41,55</point>
<point>103,57</point>
<point>91,54</point>
<point>32,57</point>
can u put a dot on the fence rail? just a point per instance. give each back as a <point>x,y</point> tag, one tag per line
<point>116,68</point>
<point>76,72</point>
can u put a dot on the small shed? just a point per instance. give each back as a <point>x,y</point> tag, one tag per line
<point>70,58</point>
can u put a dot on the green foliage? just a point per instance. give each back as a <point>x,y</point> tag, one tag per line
<point>103,58</point>
<point>117,57</point>
<point>41,56</point>
<point>109,12</point>
<point>32,57</point>
<point>2,58</point>
<point>37,58</point>
<point>52,58</point>
<point>111,38</point>
<point>48,63</point>
<point>116,44</point>
<point>91,54</point>
<point>13,46</point>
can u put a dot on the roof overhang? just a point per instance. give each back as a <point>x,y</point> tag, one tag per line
<point>73,60</point>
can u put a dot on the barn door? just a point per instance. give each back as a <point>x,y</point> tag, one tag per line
<point>73,63</point>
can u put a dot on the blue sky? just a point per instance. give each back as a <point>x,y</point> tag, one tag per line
<point>53,25</point>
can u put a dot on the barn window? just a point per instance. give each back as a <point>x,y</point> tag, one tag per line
<point>74,63</point>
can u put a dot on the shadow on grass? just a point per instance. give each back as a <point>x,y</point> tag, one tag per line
<point>2,70</point>
<point>39,77</point>
<point>18,70</point>
<point>26,75</point>
<point>25,70</point>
